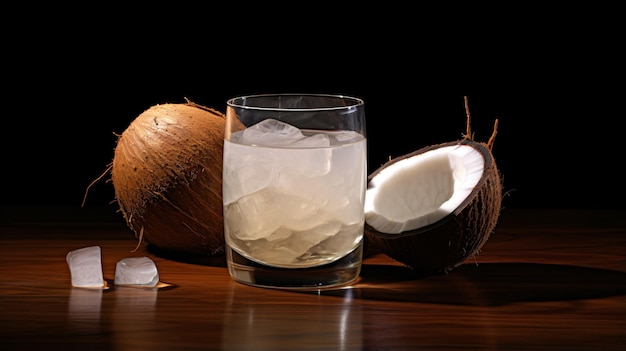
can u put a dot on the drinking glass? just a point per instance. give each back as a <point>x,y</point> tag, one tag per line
<point>294,181</point>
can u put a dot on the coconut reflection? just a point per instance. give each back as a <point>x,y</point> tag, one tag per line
<point>334,324</point>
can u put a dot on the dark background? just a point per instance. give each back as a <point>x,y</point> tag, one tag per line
<point>72,82</point>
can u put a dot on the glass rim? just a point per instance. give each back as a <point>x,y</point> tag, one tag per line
<point>355,102</point>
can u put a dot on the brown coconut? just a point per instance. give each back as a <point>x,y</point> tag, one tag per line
<point>457,236</point>
<point>167,175</point>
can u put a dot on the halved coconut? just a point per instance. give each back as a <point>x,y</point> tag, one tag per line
<point>436,207</point>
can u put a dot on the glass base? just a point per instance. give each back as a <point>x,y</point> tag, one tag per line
<point>332,275</point>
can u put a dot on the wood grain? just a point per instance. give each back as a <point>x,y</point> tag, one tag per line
<point>546,280</point>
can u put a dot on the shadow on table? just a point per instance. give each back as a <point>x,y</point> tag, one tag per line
<point>487,284</point>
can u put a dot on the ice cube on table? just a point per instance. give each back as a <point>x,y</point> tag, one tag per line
<point>85,266</point>
<point>138,271</point>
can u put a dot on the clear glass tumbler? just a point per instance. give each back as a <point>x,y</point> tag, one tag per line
<point>294,181</point>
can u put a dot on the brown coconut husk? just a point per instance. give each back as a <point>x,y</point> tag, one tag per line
<point>449,242</point>
<point>167,175</point>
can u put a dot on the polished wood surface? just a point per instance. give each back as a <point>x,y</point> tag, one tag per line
<point>545,280</point>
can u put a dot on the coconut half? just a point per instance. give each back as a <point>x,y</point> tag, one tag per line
<point>436,207</point>
<point>422,188</point>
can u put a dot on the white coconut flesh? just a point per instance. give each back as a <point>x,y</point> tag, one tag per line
<point>422,189</point>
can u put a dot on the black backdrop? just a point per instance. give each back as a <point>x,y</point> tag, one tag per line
<point>72,84</point>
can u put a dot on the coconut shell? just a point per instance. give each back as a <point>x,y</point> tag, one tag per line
<point>446,244</point>
<point>449,242</point>
<point>167,175</point>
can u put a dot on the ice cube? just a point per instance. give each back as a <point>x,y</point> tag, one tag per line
<point>287,246</point>
<point>298,211</point>
<point>246,172</point>
<point>316,140</point>
<point>271,132</point>
<point>250,169</point>
<point>140,271</point>
<point>253,217</point>
<point>346,136</point>
<point>85,266</point>
<point>339,239</point>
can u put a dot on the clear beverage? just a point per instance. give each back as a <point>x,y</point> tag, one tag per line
<point>282,207</point>
<point>294,180</point>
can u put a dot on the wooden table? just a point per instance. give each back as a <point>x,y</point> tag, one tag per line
<point>545,280</point>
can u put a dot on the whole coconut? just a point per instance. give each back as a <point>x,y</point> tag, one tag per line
<point>167,175</point>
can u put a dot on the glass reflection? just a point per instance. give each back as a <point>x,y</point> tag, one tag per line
<point>319,322</point>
